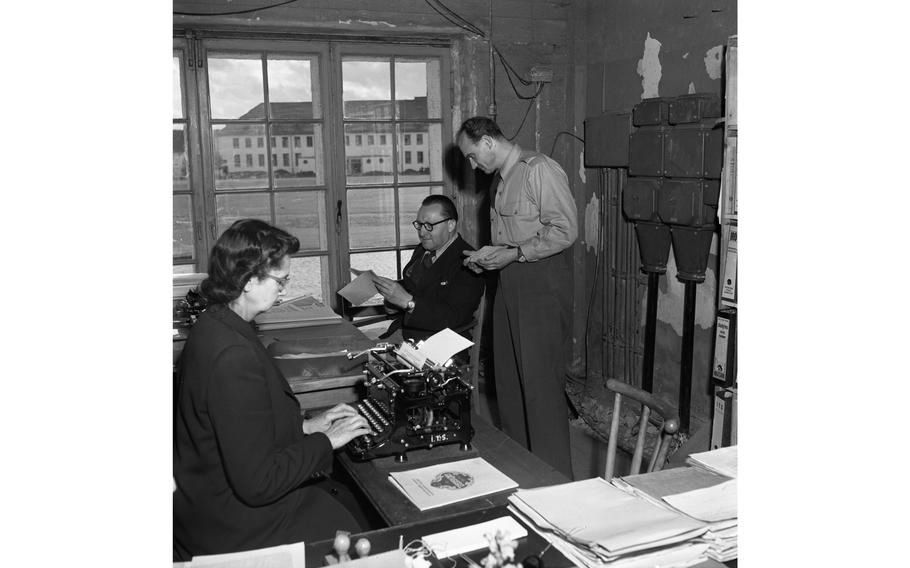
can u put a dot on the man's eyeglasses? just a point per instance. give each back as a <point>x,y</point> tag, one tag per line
<point>282,282</point>
<point>429,226</point>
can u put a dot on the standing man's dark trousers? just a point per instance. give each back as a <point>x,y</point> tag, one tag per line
<point>530,324</point>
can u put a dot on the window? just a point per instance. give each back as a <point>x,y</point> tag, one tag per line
<point>290,95</point>
<point>419,139</point>
<point>407,139</point>
<point>407,157</point>
<point>419,157</point>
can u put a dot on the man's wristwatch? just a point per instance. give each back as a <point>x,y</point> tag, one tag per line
<point>410,306</point>
<point>521,256</point>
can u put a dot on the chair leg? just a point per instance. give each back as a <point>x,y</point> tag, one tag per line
<point>614,432</point>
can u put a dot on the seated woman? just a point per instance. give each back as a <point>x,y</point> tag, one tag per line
<point>248,469</point>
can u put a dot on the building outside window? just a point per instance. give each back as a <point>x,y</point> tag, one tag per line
<point>387,93</point>
<point>419,139</point>
<point>419,157</point>
<point>407,139</point>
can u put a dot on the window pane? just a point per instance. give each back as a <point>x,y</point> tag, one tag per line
<point>232,169</point>
<point>367,163</point>
<point>303,215</point>
<point>417,89</point>
<point>371,218</point>
<point>181,173</point>
<point>183,228</point>
<point>409,199</point>
<point>299,165</point>
<point>184,268</point>
<point>235,86</point>
<point>229,208</point>
<point>367,89</point>
<point>381,263</point>
<point>178,98</point>
<point>293,82</point>
<point>309,277</point>
<point>421,158</point>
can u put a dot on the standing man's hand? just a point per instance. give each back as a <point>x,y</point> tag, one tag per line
<point>490,258</point>
<point>393,292</point>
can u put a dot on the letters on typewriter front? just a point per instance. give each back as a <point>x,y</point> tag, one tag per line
<point>411,405</point>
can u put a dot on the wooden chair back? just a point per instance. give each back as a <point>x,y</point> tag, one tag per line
<point>652,407</point>
<point>474,352</point>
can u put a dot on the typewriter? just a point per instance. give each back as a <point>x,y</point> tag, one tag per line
<point>410,404</point>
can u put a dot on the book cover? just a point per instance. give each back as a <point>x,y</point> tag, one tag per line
<point>452,482</point>
<point>296,312</point>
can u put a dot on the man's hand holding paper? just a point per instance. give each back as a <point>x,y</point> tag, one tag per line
<point>360,289</point>
<point>490,257</point>
<point>393,292</point>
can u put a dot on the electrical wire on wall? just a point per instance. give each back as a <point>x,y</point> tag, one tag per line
<point>235,12</point>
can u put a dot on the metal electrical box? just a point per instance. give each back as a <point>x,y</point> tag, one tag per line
<point>639,199</point>
<point>651,112</point>
<point>691,202</point>
<point>646,151</point>
<point>607,140</point>
<point>685,109</point>
<point>693,151</point>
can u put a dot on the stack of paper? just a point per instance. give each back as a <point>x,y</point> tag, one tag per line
<point>447,483</point>
<point>721,460</point>
<point>698,493</point>
<point>281,556</point>
<point>296,312</point>
<point>594,523</point>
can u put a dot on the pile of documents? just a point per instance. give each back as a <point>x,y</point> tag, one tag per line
<point>594,523</point>
<point>451,482</point>
<point>720,499</point>
<point>302,311</point>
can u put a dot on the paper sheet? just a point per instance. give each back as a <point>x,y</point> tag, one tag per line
<point>281,556</point>
<point>467,539</point>
<point>360,289</point>
<point>710,504</point>
<point>443,345</point>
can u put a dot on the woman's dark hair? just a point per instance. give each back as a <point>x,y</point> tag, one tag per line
<point>448,207</point>
<point>248,248</point>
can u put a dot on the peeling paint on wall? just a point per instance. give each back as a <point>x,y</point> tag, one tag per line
<point>714,57</point>
<point>592,222</point>
<point>691,88</point>
<point>649,68</point>
<point>581,167</point>
<point>672,301</point>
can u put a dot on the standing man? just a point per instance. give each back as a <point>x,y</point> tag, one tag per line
<point>437,291</point>
<point>532,221</point>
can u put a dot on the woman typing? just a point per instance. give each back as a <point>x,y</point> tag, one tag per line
<point>249,471</point>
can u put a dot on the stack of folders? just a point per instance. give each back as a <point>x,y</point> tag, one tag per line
<point>721,460</point>
<point>700,494</point>
<point>595,524</point>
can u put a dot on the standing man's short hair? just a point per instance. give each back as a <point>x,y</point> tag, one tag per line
<point>447,205</point>
<point>477,127</point>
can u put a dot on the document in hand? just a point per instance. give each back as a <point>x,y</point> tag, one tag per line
<point>609,522</point>
<point>452,482</point>
<point>721,460</point>
<point>360,289</point>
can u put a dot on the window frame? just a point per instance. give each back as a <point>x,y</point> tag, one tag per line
<point>330,53</point>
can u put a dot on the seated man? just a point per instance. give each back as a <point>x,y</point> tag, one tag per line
<point>437,290</point>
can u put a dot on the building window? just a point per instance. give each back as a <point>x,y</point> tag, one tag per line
<point>419,139</point>
<point>419,157</point>
<point>407,139</point>
<point>407,157</point>
<point>212,190</point>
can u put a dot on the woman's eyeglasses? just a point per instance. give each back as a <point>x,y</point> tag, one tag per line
<point>429,226</point>
<point>282,282</point>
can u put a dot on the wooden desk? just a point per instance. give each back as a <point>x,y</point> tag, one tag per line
<point>318,381</point>
<point>502,452</point>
